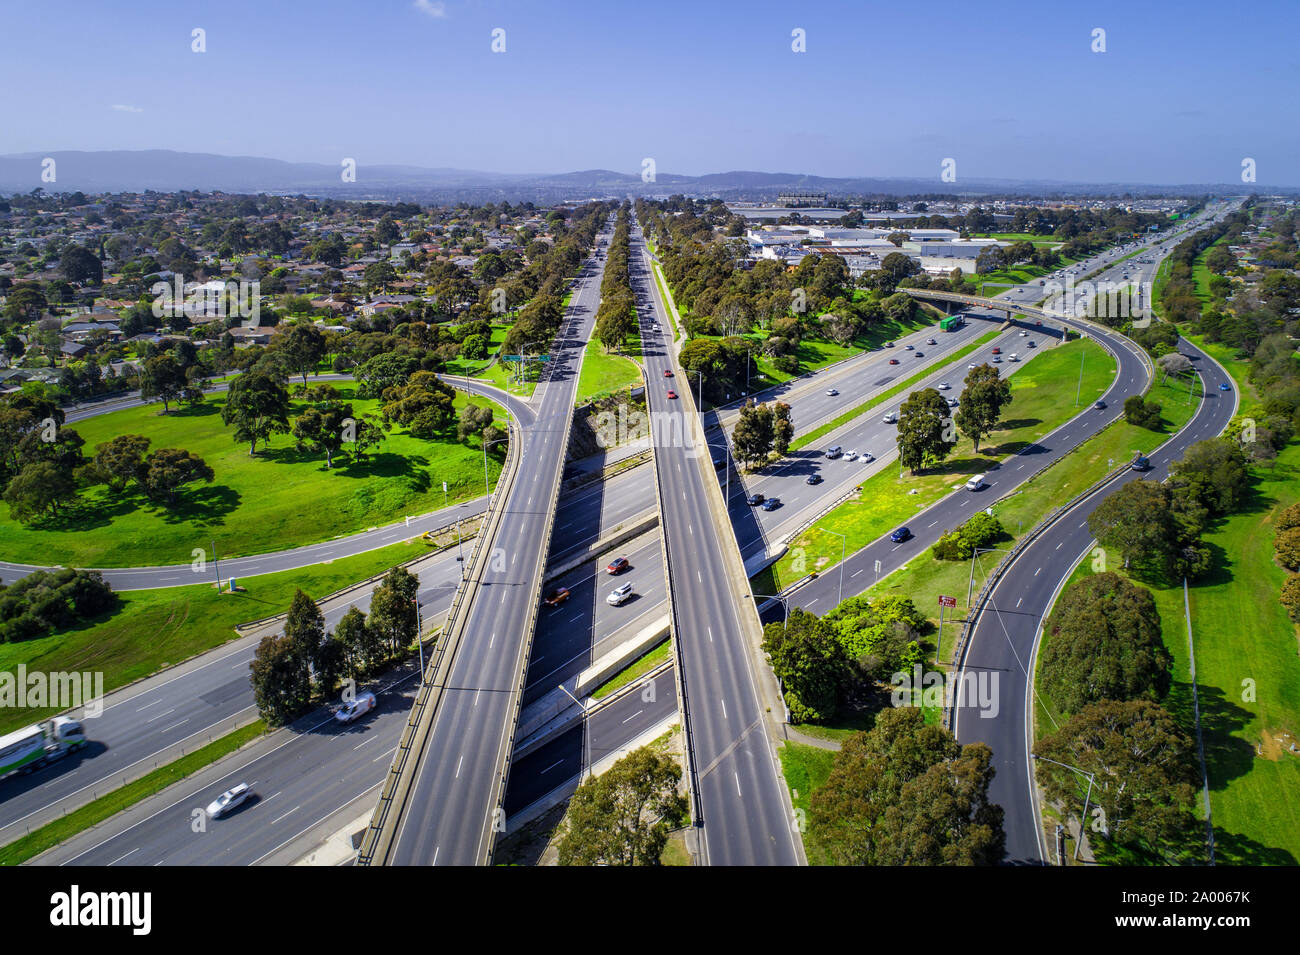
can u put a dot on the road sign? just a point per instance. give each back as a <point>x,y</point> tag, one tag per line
<point>947,601</point>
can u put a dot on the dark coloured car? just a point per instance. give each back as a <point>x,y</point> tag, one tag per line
<point>617,566</point>
<point>1099,405</point>
<point>813,479</point>
<point>754,500</point>
<point>1224,386</point>
<point>900,535</point>
<point>771,504</point>
<point>1140,464</point>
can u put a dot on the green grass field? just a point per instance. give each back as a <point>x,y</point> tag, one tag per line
<point>280,498</point>
<point>152,629</point>
<point>886,500</point>
<point>606,372</point>
<point>806,768</point>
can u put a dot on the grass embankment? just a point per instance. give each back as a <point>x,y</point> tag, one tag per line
<point>92,814</point>
<point>604,372</point>
<point>278,499</point>
<point>866,406</point>
<point>637,669</point>
<point>153,629</point>
<point>805,768</point>
<point>886,500</point>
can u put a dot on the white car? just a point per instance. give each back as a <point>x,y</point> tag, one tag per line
<point>831,392</point>
<point>891,418</point>
<point>228,800</point>
<point>363,704</point>
<point>866,457</point>
<point>619,595</point>
<point>952,402</point>
<point>851,456</point>
<point>944,386</point>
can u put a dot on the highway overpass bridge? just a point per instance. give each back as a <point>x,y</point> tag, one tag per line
<point>976,301</point>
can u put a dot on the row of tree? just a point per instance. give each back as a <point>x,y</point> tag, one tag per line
<point>305,663</point>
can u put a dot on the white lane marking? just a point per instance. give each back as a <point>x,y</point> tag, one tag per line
<point>1036,572</point>
<point>289,813</point>
<point>458,762</point>
<point>174,725</point>
<point>120,858</point>
<point>368,739</point>
<point>724,707</point>
<point>552,766</point>
<point>634,716</point>
<point>384,755</point>
<point>160,715</point>
<point>710,634</point>
<point>738,792</point>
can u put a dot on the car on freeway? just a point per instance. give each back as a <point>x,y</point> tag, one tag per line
<point>834,452</point>
<point>668,372</point>
<point>996,359</point>
<point>1030,344</point>
<point>1141,463</point>
<point>671,393</point>
<point>1023,333</point>
<point>972,365</point>
<point>617,566</point>
<point>952,402</point>
<point>851,456</point>
<point>1224,386</point>
<point>363,704</point>
<point>831,392</point>
<point>557,596</point>
<point>932,341</point>
<point>619,595</point>
<point>228,800</point>
<point>754,500</point>
<point>771,504</point>
<point>908,347</point>
<point>996,350</point>
<point>1039,322</point>
<point>920,354</point>
<point>866,457</point>
<point>719,463</point>
<point>944,386</point>
<point>890,418</point>
<point>893,361</point>
<point>1099,405</point>
<point>813,479</point>
<point>889,344</point>
<point>900,535</point>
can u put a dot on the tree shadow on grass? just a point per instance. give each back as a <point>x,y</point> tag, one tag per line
<point>1232,848</point>
<point>383,465</point>
<point>201,505</point>
<point>204,410</point>
<point>955,466</point>
<point>1016,423</point>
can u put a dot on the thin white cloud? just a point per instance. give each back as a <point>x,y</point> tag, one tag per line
<point>433,8</point>
<point>122,108</point>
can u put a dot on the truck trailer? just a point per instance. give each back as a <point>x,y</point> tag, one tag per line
<point>33,747</point>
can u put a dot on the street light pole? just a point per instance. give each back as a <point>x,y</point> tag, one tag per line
<point>1083,819</point>
<point>1079,393</point>
<point>785,606</point>
<point>843,554</point>
<point>419,634</point>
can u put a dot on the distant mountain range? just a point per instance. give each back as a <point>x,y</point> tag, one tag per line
<point>168,171</point>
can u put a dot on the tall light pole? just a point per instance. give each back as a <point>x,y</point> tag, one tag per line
<point>785,605</point>
<point>1079,393</point>
<point>487,489</point>
<point>843,555</point>
<point>419,632</point>
<point>1083,819</point>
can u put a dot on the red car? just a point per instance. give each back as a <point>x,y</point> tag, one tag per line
<point>617,566</point>
<point>997,351</point>
<point>668,372</point>
<point>671,393</point>
<point>893,361</point>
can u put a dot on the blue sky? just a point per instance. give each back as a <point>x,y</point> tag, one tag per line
<point>1183,92</point>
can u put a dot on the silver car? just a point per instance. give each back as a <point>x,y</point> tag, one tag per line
<point>228,800</point>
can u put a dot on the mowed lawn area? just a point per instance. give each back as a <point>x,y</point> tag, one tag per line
<point>1042,399</point>
<point>152,629</point>
<point>278,499</point>
<point>606,372</point>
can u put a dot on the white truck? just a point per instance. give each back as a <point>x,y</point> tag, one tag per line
<point>33,747</point>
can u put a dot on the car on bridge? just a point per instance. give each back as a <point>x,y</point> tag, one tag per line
<point>771,504</point>
<point>619,595</point>
<point>671,393</point>
<point>557,596</point>
<point>754,500</point>
<point>668,372</point>
<point>363,704</point>
<point>617,566</point>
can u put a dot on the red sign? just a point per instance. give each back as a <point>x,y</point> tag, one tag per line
<point>947,601</point>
